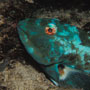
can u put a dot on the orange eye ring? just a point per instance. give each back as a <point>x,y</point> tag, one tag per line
<point>50,31</point>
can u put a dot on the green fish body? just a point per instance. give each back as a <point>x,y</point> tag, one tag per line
<point>62,50</point>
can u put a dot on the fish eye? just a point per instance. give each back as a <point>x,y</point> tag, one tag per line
<point>50,31</point>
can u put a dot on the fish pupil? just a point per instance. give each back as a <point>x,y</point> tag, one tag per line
<point>49,30</point>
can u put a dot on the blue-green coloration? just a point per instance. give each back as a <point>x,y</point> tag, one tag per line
<point>64,56</point>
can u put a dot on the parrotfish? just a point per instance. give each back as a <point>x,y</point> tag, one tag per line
<point>62,50</point>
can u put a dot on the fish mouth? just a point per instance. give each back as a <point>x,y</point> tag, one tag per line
<point>61,69</point>
<point>64,71</point>
<point>69,77</point>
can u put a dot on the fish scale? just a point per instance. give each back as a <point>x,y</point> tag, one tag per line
<point>62,50</point>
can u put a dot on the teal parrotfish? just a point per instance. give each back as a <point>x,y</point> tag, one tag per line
<point>62,50</point>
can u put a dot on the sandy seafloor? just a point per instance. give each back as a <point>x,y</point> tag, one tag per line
<point>20,72</point>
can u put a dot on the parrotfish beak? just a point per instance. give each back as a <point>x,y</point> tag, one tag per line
<point>57,72</point>
<point>65,76</point>
<point>52,72</point>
